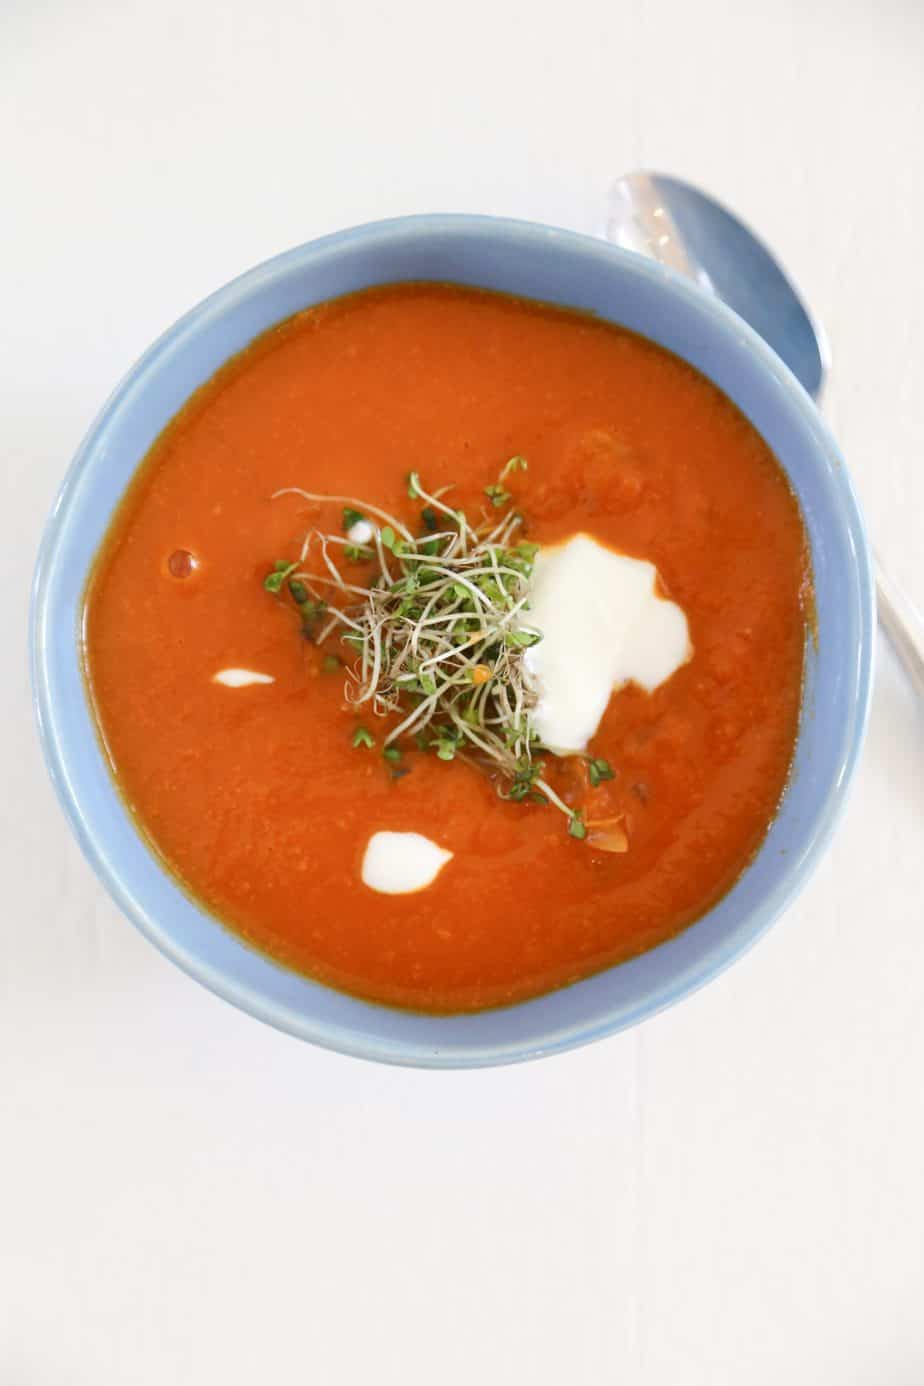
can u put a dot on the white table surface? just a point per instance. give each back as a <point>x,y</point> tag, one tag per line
<point>732,1193</point>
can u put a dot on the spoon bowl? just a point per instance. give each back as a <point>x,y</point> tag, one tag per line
<point>725,256</point>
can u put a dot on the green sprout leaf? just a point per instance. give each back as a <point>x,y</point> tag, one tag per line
<point>515,464</point>
<point>497,495</point>
<point>362,737</point>
<point>523,639</point>
<point>274,581</point>
<point>527,772</point>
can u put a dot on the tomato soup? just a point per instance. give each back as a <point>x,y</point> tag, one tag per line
<point>231,719</point>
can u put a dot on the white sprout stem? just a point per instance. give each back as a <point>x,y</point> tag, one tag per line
<point>476,640</point>
<point>468,730</point>
<point>347,500</point>
<point>383,562</point>
<point>553,798</point>
<point>330,565</point>
<point>337,615</point>
<point>373,679</point>
<point>421,713</point>
<point>457,515</point>
<point>309,578</point>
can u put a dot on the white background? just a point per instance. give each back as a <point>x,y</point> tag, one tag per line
<point>734,1192</point>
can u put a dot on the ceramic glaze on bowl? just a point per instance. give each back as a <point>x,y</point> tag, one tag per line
<point>533,262</point>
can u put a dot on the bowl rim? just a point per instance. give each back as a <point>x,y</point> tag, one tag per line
<point>342,1038</point>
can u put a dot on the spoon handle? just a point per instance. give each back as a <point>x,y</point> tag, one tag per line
<point>903,624</point>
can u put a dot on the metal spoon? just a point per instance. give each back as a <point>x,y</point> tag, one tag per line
<point>683,228</point>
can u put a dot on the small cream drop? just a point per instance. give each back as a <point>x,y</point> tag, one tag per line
<point>402,863</point>
<point>240,678</point>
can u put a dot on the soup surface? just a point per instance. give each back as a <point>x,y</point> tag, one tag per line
<point>254,793</point>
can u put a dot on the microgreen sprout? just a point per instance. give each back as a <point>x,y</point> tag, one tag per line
<point>599,770</point>
<point>273,582</point>
<point>437,633</point>
<point>515,464</point>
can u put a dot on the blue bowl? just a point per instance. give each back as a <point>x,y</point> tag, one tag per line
<point>536,262</point>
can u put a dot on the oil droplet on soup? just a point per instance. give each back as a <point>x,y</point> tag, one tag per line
<point>182,564</point>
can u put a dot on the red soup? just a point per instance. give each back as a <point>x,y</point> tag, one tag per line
<point>290,685</point>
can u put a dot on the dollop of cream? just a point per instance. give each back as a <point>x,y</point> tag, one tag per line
<point>401,863</point>
<point>361,532</point>
<point>240,678</point>
<point>602,625</point>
